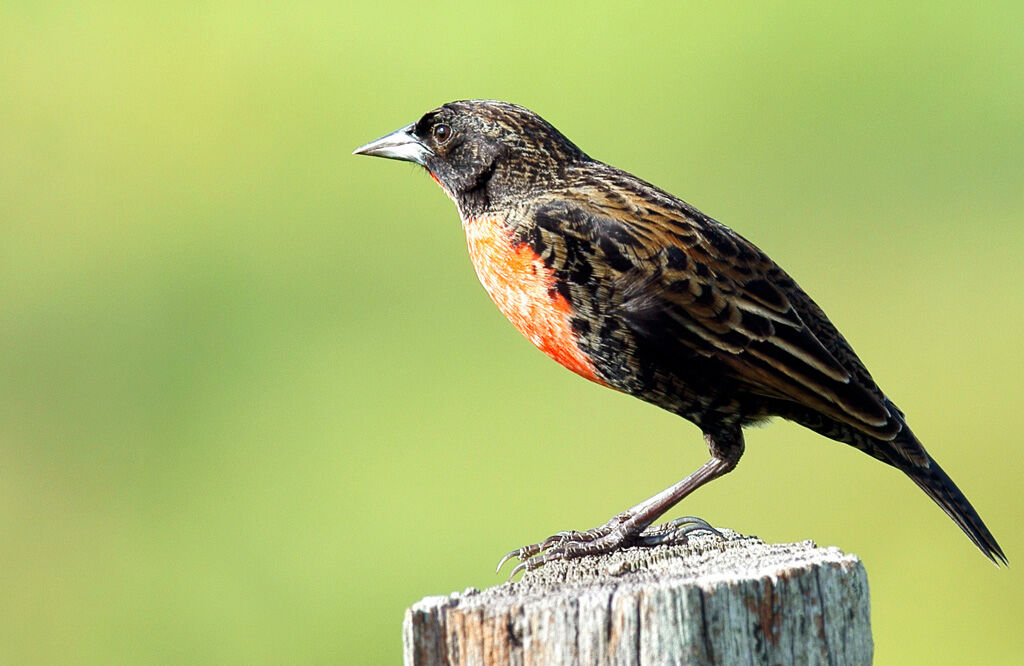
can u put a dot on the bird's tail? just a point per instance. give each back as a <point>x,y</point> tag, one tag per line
<point>937,484</point>
<point>906,454</point>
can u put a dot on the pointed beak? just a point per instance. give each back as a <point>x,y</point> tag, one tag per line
<point>401,144</point>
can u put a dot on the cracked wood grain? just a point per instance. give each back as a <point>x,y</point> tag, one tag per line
<point>732,601</point>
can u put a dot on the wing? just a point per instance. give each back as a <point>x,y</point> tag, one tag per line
<point>686,281</point>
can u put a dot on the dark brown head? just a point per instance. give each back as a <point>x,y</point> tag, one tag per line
<point>484,153</point>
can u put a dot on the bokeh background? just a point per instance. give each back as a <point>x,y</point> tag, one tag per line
<point>253,402</point>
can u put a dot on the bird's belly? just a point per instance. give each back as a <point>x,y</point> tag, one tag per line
<point>524,290</point>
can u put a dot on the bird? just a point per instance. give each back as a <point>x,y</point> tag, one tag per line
<point>634,289</point>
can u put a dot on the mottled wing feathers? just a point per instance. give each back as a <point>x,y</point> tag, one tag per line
<point>682,275</point>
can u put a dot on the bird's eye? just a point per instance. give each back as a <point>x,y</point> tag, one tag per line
<point>442,132</point>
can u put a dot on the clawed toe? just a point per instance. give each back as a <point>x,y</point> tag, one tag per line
<point>676,531</point>
<point>567,545</point>
<point>566,550</point>
<point>526,552</point>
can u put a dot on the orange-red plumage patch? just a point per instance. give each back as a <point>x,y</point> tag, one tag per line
<point>523,289</point>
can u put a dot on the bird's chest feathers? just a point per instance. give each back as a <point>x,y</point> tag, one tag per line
<point>524,290</point>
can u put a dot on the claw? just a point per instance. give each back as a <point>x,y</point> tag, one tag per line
<point>522,566</point>
<point>527,552</point>
<point>695,524</point>
<point>508,556</point>
<point>675,531</point>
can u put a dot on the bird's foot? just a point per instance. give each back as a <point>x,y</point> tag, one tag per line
<point>622,531</point>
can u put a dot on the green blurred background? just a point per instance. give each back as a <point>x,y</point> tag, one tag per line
<point>253,401</point>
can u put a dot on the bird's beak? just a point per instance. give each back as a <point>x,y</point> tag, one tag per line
<point>401,144</point>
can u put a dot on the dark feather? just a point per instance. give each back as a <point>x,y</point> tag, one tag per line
<point>734,303</point>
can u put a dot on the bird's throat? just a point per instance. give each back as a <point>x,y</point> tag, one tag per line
<point>441,185</point>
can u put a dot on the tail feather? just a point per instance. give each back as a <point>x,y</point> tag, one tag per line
<point>937,485</point>
<point>906,454</point>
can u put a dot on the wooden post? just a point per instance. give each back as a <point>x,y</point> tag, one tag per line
<point>732,601</point>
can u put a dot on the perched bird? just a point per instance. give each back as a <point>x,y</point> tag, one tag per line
<point>633,288</point>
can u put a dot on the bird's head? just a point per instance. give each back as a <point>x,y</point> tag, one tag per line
<point>483,153</point>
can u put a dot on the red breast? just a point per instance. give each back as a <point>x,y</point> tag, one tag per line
<point>523,288</point>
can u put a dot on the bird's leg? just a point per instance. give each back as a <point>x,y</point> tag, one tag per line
<point>628,528</point>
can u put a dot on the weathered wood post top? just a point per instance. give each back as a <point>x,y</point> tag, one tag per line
<point>711,601</point>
